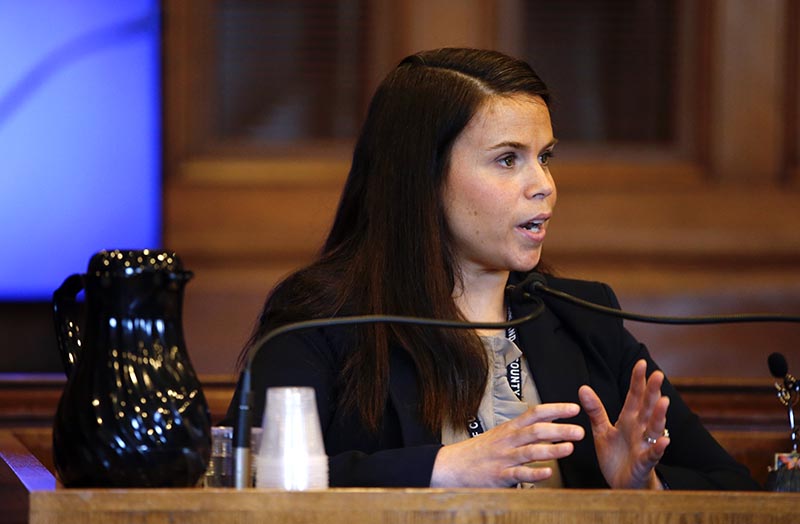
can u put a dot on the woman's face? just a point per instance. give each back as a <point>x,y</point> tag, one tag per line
<point>498,193</point>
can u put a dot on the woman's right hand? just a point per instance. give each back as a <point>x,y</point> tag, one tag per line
<point>499,457</point>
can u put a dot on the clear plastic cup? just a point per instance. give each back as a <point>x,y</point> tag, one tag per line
<point>220,466</point>
<point>219,473</point>
<point>292,453</point>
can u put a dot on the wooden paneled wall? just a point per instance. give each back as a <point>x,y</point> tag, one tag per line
<point>706,225</point>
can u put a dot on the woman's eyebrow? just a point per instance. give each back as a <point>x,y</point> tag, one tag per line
<point>519,145</point>
<point>508,144</point>
<point>550,144</point>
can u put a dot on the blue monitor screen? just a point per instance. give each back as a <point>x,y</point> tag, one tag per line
<point>80,137</point>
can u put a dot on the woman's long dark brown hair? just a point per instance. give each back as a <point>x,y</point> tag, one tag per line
<point>389,250</point>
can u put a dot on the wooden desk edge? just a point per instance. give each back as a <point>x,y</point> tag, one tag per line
<point>28,470</point>
<point>51,503</point>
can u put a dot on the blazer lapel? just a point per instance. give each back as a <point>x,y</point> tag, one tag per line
<point>555,360</point>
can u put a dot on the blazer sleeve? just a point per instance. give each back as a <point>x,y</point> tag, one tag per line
<point>694,460</point>
<point>357,457</point>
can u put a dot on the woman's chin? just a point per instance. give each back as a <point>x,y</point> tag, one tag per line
<point>526,264</point>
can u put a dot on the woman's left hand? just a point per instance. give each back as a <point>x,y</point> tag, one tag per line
<point>626,456</point>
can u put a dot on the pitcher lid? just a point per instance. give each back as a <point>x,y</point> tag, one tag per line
<point>127,262</point>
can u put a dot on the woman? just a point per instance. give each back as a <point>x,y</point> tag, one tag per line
<point>447,203</point>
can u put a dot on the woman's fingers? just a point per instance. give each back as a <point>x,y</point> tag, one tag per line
<point>519,474</point>
<point>655,430</point>
<point>499,456</point>
<point>630,448</point>
<point>653,414</point>
<point>658,421</point>
<point>546,413</point>
<point>644,394</point>
<point>523,471</point>
<point>651,396</point>
<point>636,390</point>
<point>546,432</point>
<point>541,452</point>
<point>537,425</point>
<point>594,408</point>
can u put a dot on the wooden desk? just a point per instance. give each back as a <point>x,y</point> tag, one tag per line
<point>30,493</point>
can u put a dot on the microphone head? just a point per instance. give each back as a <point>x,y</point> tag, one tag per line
<point>530,282</point>
<point>523,290</point>
<point>777,365</point>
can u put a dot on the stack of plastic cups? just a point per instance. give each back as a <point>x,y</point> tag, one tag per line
<point>255,444</point>
<point>291,455</point>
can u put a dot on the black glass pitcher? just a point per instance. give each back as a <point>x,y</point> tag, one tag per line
<point>132,413</point>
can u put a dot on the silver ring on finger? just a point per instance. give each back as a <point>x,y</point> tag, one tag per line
<point>652,440</point>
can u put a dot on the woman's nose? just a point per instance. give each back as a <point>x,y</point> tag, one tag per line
<point>540,183</point>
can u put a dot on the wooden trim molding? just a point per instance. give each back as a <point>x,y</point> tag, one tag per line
<point>734,404</point>
<point>31,496</point>
<point>31,399</point>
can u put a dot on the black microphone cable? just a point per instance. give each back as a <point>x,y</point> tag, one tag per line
<point>537,282</point>
<point>244,416</point>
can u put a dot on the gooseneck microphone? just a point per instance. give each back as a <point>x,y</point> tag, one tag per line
<point>780,369</point>
<point>244,416</point>
<point>536,282</point>
<point>788,392</point>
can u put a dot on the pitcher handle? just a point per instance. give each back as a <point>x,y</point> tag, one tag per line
<point>67,331</point>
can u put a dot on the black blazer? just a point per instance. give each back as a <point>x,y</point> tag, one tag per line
<point>565,347</point>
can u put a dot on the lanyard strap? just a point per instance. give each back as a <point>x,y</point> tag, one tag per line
<point>514,369</point>
<point>514,377</point>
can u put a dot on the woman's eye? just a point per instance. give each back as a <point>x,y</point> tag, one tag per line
<point>544,157</point>
<point>509,160</point>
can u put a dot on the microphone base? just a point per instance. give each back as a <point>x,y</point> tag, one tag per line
<point>243,477</point>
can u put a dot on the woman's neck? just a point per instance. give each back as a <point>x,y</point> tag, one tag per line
<point>482,298</point>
